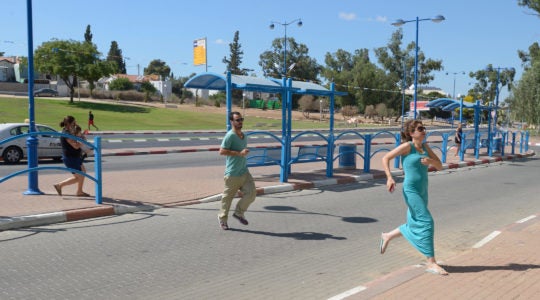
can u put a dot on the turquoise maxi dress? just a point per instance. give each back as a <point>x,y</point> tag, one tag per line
<point>419,227</point>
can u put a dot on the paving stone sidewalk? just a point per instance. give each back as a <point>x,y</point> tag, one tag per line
<point>505,267</point>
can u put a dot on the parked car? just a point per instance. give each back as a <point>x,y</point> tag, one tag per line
<point>15,150</point>
<point>45,92</point>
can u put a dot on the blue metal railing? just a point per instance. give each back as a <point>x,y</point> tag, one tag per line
<point>96,146</point>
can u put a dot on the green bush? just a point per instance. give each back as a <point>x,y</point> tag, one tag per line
<point>121,84</point>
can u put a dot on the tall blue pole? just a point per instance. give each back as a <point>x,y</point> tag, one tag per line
<point>403,90</point>
<point>228,92</point>
<point>32,141</point>
<point>285,51</point>
<point>416,69</point>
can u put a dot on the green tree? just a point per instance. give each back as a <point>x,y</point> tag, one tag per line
<point>365,83</point>
<point>485,87</point>
<point>178,87</point>
<point>2,53</point>
<point>88,35</point>
<point>235,58</point>
<point>532,4</point>
<point>528,57</point>
<point>393,58</point>
<point>299,64</point>
<point>68,59</point>
<point>158,67</point>
<point>148,89</point>
<point>121,84</point>
<point>115,55</point>
<point>234,61</point>
<point>524,100</point>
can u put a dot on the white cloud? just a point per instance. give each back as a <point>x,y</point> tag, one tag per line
<point>347,16</point>
<point>220,42</point>
<point>381,19</point>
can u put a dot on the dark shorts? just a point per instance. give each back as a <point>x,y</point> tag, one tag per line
<point>73,162</point>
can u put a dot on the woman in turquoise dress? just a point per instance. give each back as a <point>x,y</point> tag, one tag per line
<point>417,156</point>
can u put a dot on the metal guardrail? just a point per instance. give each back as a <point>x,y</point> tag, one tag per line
<point>96,146</point>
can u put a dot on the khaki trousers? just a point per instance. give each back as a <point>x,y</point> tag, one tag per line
<point>243,183</point>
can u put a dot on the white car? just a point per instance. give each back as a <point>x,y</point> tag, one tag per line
<point>15,150</point>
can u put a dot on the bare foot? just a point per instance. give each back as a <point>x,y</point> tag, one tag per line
<point>383,243</point>
<point>436,269</point>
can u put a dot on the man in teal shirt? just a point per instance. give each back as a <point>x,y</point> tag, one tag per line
<point>237,176</point>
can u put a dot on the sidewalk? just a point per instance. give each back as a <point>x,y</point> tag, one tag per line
<point>510,261</point>
<point>507,266</point>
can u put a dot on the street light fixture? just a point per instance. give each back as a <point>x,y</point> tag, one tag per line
<point>455,73</point>
<point>399,22</point>
<point>285,24</point>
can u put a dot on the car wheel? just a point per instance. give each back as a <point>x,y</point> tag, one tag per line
<point>12,155</point>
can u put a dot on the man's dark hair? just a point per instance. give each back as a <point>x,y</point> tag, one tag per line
<point>232,113</point>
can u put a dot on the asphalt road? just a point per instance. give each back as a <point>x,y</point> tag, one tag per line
<point>310,244</point>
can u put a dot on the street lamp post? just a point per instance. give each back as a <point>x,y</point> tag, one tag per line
<point>285,24</point>
<point>400,22</point>
<point>455,73</point>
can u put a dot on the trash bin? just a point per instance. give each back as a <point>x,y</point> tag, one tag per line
<point>347,156</point>
<point>497,144</point>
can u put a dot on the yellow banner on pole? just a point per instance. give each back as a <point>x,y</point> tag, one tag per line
<point>199,52</point>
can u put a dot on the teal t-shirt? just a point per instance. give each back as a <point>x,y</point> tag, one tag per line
<point>234,165</point>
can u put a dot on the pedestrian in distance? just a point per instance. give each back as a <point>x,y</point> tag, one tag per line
<point>457,138</point>
<point>237,176</point>
<point>91,120</point>
<point>417,156</point>
<point>71,155</point>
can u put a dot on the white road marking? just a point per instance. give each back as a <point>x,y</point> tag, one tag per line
<point>526,219</point>
<point>348,293</point>
<point>487,239</point>
<point>163,140</point>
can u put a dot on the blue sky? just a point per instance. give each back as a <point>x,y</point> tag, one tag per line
<point>476,32</point>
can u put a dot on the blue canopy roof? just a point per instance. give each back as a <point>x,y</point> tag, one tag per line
<point>448,104</point>
<point>212,81</point>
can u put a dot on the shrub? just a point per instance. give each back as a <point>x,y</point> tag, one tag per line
<point>120,84</point>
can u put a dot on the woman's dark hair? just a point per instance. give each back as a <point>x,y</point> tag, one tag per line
<point>67,120</point>
<point>408,128</point>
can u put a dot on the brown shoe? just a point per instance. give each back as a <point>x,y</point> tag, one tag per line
<point>241,219</point>
<point>223,224</point>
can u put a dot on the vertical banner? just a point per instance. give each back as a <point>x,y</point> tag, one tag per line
<point>199,52</point>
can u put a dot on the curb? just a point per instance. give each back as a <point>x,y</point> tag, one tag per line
<point>109,210</point>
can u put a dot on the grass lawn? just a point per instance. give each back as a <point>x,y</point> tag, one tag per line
<point>119,116</point>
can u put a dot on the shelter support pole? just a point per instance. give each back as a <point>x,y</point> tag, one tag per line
<point>228,91</point>
<point>285,140</point>
<point>330,150</point>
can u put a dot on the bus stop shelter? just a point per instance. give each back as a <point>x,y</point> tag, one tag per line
<point>285,86</point>
<point>447,104</point>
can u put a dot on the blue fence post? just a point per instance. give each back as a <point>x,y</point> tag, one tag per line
<point>398,142</point>
<point>444,146</point>
<point>477,145</point>
<point>503,138</point>
<point>367,153</point>
<point>527,141</point>
<point>97,169</point>
<point>330,156</point>
<point>513,143</point>
<point>521,142</point>
<point>463,146</point>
